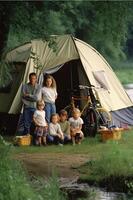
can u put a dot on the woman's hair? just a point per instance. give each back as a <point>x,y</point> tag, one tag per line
<point>47,76</point>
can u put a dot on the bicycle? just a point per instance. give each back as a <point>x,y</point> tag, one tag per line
<point>93,114</point>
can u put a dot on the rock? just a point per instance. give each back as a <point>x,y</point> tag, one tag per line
<point>73,189</point>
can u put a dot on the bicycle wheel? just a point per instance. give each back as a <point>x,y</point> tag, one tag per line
<point>90,126</point>
<point>105,118</point>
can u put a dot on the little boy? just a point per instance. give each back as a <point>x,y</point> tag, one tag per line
<point>65,125</point>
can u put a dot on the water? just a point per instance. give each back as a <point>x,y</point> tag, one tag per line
<point>103,195</point>
<point>82,190</point>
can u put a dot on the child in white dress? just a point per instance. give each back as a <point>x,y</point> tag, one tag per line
<point>76,126</point>
<point>41,128</point>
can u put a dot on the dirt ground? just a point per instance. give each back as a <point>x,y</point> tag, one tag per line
<point>43,164</point>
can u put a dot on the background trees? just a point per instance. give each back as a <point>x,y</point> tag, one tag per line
<point>105,25</point>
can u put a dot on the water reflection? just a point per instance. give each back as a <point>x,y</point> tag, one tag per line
<point>103,195</point>
<point>82,191</point>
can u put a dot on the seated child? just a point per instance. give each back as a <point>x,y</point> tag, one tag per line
<point>76,126</point>
<point>41,127</point>
<point>55,130</point>
<point>65,125</point>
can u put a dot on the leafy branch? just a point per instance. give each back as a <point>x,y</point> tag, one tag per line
<point>36,61</point>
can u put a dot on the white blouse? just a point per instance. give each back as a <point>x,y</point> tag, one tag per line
<point>49,94</point>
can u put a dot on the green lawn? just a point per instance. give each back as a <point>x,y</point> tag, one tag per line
<point>90,146</point>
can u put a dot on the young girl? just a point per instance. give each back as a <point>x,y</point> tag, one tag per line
<point>40,123</point>
<point>55,130</point>
<point>76,126</point>
<point>49,95</point>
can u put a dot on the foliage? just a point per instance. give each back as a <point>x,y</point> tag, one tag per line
<point>98,23</point>
<point>13,182</point>
<point>109,28</point>
<point>129,184</point>
<point>123,70</point>
<point>106,165</point>
<point>36,60</point>
<point>51,190</point>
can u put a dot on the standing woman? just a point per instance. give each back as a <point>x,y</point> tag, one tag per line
<point>49,95</point>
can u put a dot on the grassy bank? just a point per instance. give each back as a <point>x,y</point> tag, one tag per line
<point>113,168</point>
<point>14,182</point>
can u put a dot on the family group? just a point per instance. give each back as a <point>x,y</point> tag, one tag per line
<point>39,108</point>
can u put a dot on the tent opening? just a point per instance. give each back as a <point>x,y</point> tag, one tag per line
<point>67,79</point>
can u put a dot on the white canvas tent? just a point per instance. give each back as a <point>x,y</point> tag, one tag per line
<point>91,68</point>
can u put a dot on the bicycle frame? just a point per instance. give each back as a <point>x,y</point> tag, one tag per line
<point>92,112</point>
<point>93,101</point>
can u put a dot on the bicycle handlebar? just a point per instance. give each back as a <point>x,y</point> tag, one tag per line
<point>83,87</point>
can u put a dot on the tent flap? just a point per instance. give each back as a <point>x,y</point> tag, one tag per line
<point>114,99</point>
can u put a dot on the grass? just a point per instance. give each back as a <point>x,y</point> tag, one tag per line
<point>14,183</point>
<point>90,146</point>
<point>85,147</point>
<point>125,75</point>
<point>106,160</point>
<point>113,168</point>
<point>123,70</point>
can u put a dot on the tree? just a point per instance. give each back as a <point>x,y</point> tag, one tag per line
<point>5,13</point>
<point>99,23</point>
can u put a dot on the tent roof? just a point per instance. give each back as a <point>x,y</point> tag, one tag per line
<point>19,54</point>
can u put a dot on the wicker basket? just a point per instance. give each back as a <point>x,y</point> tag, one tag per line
<point>114,134</point>
<point>23,140</point>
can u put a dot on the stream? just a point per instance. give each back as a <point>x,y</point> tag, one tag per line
<point>83,190</point>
